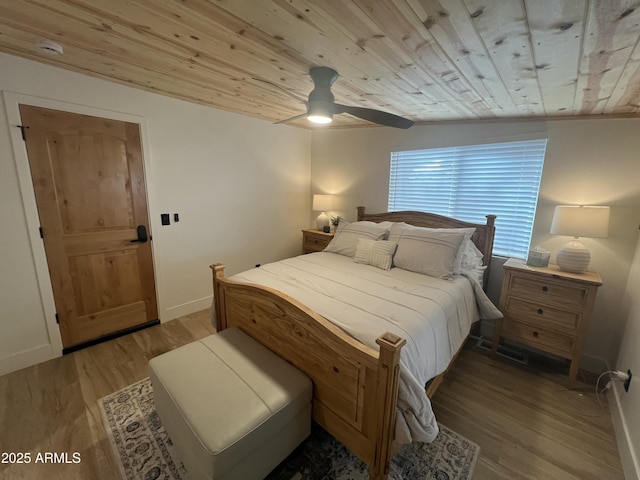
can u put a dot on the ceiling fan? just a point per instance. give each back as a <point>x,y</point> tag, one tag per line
<point>321,104</point>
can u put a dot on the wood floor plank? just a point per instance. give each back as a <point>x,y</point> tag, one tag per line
<point>526,421</point>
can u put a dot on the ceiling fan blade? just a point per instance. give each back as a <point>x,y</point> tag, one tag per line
<point>375,116</point>
<point>291,119</point>
<point>283,90</point>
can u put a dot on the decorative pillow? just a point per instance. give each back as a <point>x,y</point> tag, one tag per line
<point>378,253</point>
<point>431,251</point>
<point>347,235</point>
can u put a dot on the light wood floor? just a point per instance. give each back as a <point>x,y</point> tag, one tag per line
<point>526,422</point>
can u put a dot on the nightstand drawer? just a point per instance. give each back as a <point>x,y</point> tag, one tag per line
<point>548,290</point>
<point>547,340</point>
<point>314,244</point>
<point>315,240</point>
<point>539,314</point>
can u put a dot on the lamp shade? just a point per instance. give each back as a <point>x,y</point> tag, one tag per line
<point>322,203</point>
<point>580,221</point>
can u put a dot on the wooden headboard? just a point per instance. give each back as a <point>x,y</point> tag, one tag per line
<point>482,238</point>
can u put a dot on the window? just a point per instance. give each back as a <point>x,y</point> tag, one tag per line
<point>471,182</point>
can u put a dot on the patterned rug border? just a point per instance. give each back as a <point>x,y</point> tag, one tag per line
<point>167,470</point>
<point>143,450</point>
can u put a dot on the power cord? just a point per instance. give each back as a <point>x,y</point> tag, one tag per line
<point>615,375</point>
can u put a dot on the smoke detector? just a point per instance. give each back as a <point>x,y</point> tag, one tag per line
<point>50,47</point>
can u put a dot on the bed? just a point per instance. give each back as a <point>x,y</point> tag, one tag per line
<point>372,375</point>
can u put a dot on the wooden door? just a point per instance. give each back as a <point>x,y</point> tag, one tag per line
<point>90,190</point>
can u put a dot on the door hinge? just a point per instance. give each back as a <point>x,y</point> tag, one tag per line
<point>23,128</point>
<point>41,232</point>
<point>57,319</point>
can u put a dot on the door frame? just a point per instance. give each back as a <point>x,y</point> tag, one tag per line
<point>12,100</point>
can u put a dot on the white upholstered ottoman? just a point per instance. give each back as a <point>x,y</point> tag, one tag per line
<point>233,409</point>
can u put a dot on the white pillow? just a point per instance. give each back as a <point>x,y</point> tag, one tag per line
<point>431,251</point>
<point>471,257</point>
<point>378,253</point>
<point>468,256</point>
<point>347,235</point>
<point>472,261</point>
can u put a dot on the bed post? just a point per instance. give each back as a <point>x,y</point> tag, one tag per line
<point>218,297</point>
<point>489,233</point>
<point>387,399</point>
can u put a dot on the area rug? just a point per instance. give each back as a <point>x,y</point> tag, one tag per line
<point>144,451</point>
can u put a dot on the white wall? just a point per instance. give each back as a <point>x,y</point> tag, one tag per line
<point>587,162</point>
<point>240,185</point>
<point>628,426</point>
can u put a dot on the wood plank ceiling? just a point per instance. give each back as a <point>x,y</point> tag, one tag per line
<point>427,60</point>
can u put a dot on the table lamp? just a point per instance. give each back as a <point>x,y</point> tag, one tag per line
<point>322,203</point>
<point>578,221</point>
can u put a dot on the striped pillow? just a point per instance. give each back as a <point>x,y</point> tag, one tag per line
<point>378,253</point>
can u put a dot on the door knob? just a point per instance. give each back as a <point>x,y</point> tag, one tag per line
<point>142,234</point>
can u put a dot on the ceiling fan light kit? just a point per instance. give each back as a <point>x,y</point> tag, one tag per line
<point>319,112</point>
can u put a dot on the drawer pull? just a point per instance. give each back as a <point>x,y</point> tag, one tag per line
<point>545,289</point>
<point>540,311</point>
<point>535,334</point>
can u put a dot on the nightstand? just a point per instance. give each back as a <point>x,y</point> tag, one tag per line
<point>547,309</point>
<point>315,240</point>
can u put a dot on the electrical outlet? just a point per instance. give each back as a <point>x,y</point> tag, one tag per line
<point>628,381</point>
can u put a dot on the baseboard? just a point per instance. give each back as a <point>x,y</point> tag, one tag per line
<point>177,311</point>
<point>628,456</point>
<point>27,358</point>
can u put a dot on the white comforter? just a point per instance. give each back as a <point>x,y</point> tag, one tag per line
<point>433,315</point>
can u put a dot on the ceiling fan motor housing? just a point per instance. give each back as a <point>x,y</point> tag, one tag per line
<point>323,78</point>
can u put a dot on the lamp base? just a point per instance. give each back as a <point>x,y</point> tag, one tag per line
<point>573,257</point>
<point>322,221</point>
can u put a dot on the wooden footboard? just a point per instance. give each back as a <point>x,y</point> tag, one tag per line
<point>355,386</point>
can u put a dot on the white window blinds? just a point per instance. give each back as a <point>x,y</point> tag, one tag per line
<point>471,182</point>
